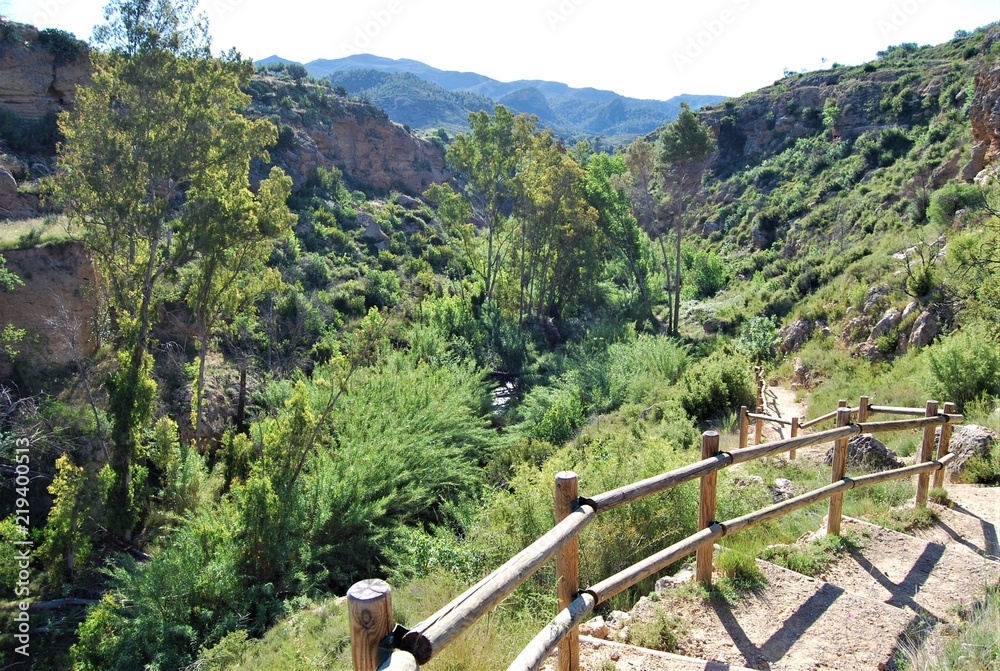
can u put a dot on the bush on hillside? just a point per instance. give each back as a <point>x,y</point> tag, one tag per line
<point>966,365</point>
<point>717,385</point>
<point>951,198</point>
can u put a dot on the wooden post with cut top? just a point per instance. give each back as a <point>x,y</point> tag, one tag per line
<point>926,451</point>
<point>794,434</point>
<point>369,609</point>
<point>758,426</point>
<point>744,427</point>
<point>944,443</point>
<point>567,569</point>
<point>706,506</point>
<point>839,470</point>
<point>863,410</point>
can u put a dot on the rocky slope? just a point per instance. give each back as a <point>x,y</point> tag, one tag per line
<point>321,129</point>
<point>39,71</point>
<point>55,306</point>
<point>985,117</point>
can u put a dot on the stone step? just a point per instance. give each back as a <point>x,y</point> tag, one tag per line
<point>631,658</point>
<point>932,580</point>
<point>971,520</point>
<point>794,623</point>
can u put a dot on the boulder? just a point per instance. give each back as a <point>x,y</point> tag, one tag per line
<point>596,628</point>
<point>924,330</point>
<point>968,441</point>
<point>887,323</point>
<point>679,578</point>
<point>868,452</point>
<point>782,490</point>
<point>910,308</point>
<point>618,619</point>
<point>977,161</point>
<point>856,329</point>
<point>373,231</point>
<point>408,202</point>
<point>795,335</point>
<point>877,295</point>
<point>870,351</point>
<point>800,375</point>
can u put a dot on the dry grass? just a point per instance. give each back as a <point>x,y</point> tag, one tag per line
<point>28,233</point>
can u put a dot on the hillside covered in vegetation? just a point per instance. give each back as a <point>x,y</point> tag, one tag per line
<point>338,351</point>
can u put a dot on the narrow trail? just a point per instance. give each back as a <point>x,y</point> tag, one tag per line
<point>889,593</point>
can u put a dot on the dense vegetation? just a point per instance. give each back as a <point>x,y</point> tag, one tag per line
<point>283,405</point>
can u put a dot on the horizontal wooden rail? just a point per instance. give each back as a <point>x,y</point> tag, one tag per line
<point>656,484</point>
<point>540,647</point>
<point>664,481</point>
<point>769,418</point>
<point>430,636</point>
<point>821,418</point>
<point>892,410</point>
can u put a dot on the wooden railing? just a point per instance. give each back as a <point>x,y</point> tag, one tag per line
<point>378,645</point>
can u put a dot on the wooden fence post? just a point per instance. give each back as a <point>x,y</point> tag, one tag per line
<point>760,388</point>
<point>926,451</point>
<point>369,609</point>
<point>839,470</point>
<point>744,427</point>
<point>758,426</point>
<point>944,442</point>
<point>795,433</point>
<point>863,410</point>
<point>706,506</point>
<point>568,569</point>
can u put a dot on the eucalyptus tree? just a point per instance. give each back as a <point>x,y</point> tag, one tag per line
<point>154,177</point>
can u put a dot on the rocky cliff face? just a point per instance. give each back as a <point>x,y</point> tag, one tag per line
<point>39,73</point>
<point>984,114</point>
<point>55,306</point>
<point>766,121</point>
<point>321,129</point>
<point>373,151</point>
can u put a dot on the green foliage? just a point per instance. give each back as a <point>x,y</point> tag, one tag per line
<point>658,632</point>
<point>951,198</point>
<point>67,540</point>
<point>717,385</point>
<point>974,646</point>
<point>757,339</point>
<point>686,140</point>
<point>553,414</point>
<point>812,558</point>
<point>29,136</point>
<point>10,531</point>
<point>63,46</point>
<point>966,365</point>
<point>707,275</point>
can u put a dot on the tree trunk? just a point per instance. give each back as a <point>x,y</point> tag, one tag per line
<point>677,282</point>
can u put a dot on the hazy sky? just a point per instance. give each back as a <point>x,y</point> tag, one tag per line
<point>641,49</point>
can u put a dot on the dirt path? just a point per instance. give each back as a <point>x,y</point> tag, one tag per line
<point>889,591</point>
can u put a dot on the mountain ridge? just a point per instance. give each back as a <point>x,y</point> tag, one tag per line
<point>573,113</point>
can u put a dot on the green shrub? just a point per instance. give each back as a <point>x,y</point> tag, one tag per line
<point>951,198</point>
<point>717,385</point>
<point>966,365</point>
<point>552,414</point>
<point>659,632</point>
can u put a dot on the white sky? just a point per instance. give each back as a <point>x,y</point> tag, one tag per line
<point>637,48</point>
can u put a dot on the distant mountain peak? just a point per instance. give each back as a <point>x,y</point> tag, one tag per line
<point>446,97</point>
